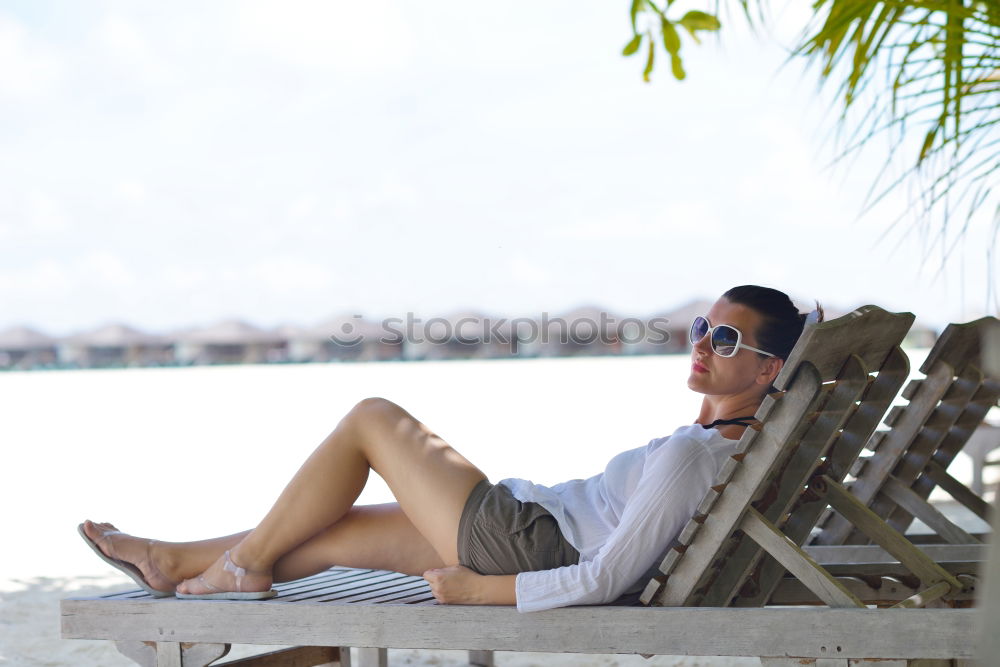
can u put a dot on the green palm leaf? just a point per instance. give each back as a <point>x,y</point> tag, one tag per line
<point>926,75</point>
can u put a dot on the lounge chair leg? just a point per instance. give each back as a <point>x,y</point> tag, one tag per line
<point>370,657</point>
<point>481,658</point>
<point>171,654</point>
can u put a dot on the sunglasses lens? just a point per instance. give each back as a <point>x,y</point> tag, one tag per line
<point>725,340</point>
<point>698,329</point>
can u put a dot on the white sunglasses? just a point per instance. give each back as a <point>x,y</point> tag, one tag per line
<point>726,340</point>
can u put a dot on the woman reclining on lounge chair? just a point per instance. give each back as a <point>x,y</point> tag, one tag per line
<point>579,542</point>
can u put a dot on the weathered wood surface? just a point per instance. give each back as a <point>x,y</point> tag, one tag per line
<point>944,410</point>
<point>814,632</point>
<point>909,500</point>
<point>872,590</point>
<point>879,531</point>
<point>958,491</point>
<point>872,553</point>
<point>985,397</point>
<point>933,432</point>
<point>891,446</point>
<point>798,562</point>
<point>846,443</point>
<point>369,657</point>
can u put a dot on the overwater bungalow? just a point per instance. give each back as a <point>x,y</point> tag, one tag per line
<point>22,348</point>
<point>459,335</point>
<point>115,346</point>
<point>587,330</point>
<point>230,342</point>
<point>347,337</point>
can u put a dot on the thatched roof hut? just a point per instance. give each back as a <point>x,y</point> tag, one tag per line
<point>115,345</point>
<point>344,337</point>
<point>583,330</point>
<point>230,341</point>
<point>24,348</point>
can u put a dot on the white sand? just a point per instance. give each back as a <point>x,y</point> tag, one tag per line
<point>191,453</point>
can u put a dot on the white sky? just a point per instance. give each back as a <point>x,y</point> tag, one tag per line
<point>170,164</point>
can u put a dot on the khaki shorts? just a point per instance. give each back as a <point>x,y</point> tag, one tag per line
<point>499,534</point>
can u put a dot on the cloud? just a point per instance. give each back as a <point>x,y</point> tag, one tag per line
<point>350,38</point>
<point>30,68</point>
<point>681,220</point>
<point>34,214</point>
<point>527,272</point>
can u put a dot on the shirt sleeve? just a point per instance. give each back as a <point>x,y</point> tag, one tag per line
<point>674,480</point>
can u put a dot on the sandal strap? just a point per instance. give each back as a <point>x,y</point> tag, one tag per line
<point>207,584</point>
<point>106,539</point>
<point>238,572</point>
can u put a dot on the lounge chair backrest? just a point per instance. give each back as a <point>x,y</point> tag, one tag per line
<point>924,435</point>
<point>833,389</point>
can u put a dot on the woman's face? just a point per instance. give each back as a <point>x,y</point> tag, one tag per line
<point>746,371</point>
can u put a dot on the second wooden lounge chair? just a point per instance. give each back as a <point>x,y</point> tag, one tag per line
<point>924,436</point>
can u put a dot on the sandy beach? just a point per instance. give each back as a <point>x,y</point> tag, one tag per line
<point>146,448</point>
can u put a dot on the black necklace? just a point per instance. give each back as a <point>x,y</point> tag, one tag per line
<point>737,421</point>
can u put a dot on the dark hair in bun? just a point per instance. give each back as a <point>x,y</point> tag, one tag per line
<point>783,323</point>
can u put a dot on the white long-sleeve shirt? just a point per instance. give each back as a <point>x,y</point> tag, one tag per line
<point>623,520</point>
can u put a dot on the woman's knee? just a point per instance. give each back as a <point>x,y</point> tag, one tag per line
<point>375,405</point>
<point>372,411</point>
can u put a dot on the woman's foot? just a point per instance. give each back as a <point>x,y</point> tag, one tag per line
<point>226,580</point>
<point>135,556</point>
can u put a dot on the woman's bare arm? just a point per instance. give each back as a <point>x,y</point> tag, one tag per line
<point>457,584</point>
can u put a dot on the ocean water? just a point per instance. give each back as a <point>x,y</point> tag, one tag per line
<point>188,453</point>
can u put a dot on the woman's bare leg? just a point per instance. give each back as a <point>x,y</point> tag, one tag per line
<point>374,536</point>
<point>429,479</point>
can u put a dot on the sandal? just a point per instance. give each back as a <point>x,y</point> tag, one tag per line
<point>131,570</point>
<point>220,594</point>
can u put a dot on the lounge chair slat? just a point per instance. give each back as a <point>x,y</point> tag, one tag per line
<point>872,553</point>
<point>728,468</point>
<point>985,398</point>
<point>925,596</point>
<point>911,388</point>
<point>876,439</point>
<point>886,590</point>
<point>878,531</point>
<point>929,438</point>
<point>957,490</point>
<point>797,561</point>
<point>892,446</point>
<point>893,416</point>
<point>906,498</point>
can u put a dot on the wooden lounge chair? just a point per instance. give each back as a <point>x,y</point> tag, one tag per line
<point>903,466</point>
<point>810,440</point>
<point>835,387</point>
<point>924,436</point>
